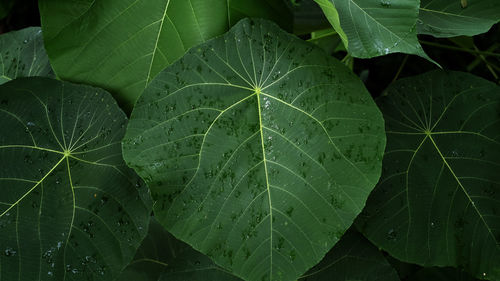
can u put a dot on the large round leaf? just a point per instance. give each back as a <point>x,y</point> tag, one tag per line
<point>259,148</point>
<point>70,209</point>
<point>121,45</point>
<point>22,54</point>
<point>372,28</point>
<point>438,200</point>
<point>447,18</point>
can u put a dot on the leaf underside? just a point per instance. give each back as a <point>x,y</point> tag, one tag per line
<point>70,209</point>
<point>437,203</point>
<point>447,18</point>
<point>376,28</point>
<point>259,149</point>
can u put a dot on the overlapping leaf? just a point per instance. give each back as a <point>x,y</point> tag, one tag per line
<point>441,274</point>
<point>259,148</point>
<point>375,27</point>
<point>162,257</point>
<point>121,45</point>
<point>437,203</point>
<point>22,54</point>
<point>70,209</point>
<point>447,18</point>
<point>353,258</point>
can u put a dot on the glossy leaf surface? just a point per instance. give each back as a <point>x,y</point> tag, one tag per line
<point>352,258</point>
<point>375,28</point>
<point>259,149</point>
<point>70,209</point>
<point>121,45</point>
<point>437,203</point>
<point>447,18</point>
<point>22,54</point>
<point>162,257</point>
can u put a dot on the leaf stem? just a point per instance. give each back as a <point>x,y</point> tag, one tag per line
<point>458,49</point>
<point>400,68</point>
<point>322,36</point>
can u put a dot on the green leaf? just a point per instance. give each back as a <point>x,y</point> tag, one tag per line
<point>332,15</point>
<point>121,45</point>
<point>437,201</point>
<point>375,27</point>
<point>22,54</point>
<point>441,274</point>
<point>447,18</point>
<point>70,209</point>
<point>259,149</point>
<point>162,257</point>
<point>353,258</point>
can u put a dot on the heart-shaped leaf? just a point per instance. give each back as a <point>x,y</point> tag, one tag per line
<point>259,148</point>
<point>22,54</point>
<point>121,45</point>
<point>70,209</point>
<point>447,18</point>
<point>437,203</point>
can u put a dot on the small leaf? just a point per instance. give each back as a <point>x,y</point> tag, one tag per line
<point>69,207</point>
<point>259,148</point>
<point>22,54</point>
<point>437,201</point>
<point>449,18</point>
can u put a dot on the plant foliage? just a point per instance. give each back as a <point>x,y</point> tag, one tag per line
<point>249,122</point>
<point>69,208</point>
<point>437,201</point>
<point>250,153</point>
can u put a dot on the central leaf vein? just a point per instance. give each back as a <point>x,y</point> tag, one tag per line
<point>261,127</point>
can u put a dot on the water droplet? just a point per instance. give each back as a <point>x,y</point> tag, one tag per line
<point>385,3</point>
<point>391,234</point>
<point>10,252</point>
